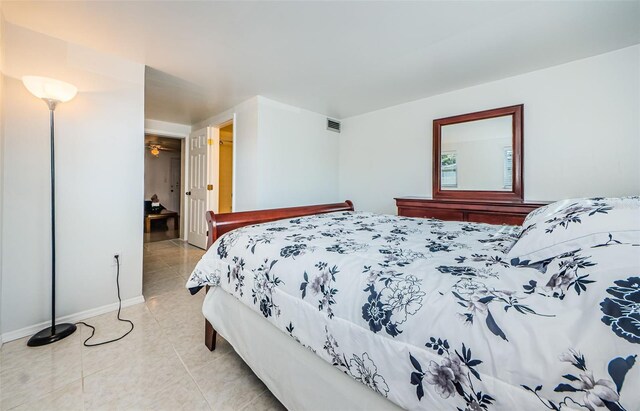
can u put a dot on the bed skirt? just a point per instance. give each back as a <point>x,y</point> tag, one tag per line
<point>296,376</point>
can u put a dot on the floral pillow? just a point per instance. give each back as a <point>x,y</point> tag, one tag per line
<point>568,225</point>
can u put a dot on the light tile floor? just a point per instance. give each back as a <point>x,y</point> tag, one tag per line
<point>162,365</point>
<point>161,235</point>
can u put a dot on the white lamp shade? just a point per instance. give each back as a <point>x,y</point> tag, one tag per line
<point>48,88</point>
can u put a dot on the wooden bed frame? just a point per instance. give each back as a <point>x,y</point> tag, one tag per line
<point>219,224</point>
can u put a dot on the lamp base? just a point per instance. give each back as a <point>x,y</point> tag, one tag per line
<point>47,336</point>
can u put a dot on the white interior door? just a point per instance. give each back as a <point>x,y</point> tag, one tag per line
<point>201,192</point>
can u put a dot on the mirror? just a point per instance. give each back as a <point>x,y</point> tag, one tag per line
<point>478,156</point>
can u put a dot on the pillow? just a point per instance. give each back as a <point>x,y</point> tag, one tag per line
<point>544,212</point>
<point>568,225</point>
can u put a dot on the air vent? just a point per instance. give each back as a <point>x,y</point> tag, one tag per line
<point>333,125</point>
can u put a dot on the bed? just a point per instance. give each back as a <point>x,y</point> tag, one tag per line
<point>337,309</point>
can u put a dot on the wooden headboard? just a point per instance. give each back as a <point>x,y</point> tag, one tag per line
<point>219,224</point>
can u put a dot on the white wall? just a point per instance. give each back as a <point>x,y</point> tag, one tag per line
<point>99,149</point>
<point>284,155</point>
<point>298,156</point>
<point>167,129</point>
<point>1,147</point>
<point>157,177</point>
<point>581,134</point>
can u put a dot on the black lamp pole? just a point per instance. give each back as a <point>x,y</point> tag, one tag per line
<point>59,331</point>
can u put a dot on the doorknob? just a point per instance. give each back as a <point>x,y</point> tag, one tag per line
<point>188,193</point>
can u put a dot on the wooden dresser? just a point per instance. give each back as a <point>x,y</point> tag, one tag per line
<point>478,211</point>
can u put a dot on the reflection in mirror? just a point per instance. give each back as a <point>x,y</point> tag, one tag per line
<point>477,155</point>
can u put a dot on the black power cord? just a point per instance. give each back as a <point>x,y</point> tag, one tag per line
<point>93,329</point>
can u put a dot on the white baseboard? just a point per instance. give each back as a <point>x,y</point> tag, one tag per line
<point>83,315</point>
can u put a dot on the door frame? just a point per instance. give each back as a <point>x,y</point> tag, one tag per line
<point>184,160</point>
<point>184,213</point>
<point>231,120</point>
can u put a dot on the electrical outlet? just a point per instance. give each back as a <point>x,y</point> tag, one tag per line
<point>113,258</point>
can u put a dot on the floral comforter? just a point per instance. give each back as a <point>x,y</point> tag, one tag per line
<point>430,315</point>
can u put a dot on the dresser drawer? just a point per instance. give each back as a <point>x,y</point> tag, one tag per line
<point>448,215</point>
<point>495,218</point>
<point>489,212</point>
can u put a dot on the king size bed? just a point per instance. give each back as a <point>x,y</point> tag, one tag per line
<point>338,309</point>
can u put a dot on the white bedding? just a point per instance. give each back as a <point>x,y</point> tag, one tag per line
<point>430,315</point>
<point>295,375</point>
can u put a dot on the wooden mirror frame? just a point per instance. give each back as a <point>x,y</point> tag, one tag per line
<point>516,193</point>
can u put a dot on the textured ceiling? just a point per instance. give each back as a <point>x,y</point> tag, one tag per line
<point>337,58</point>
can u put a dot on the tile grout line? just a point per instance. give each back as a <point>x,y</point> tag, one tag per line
<point>241,407</point>
<point>263,392</point>
<point>180,359</point>
<point>162,330</point>
<point>260,394</point>
<point>82,371</point>
<point>46,393</point>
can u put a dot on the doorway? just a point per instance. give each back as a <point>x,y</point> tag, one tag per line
<point>210,177</point>
<point>163,178</point>
<point>225,175</point>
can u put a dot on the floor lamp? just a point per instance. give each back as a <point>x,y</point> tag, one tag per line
<point>52,92</point>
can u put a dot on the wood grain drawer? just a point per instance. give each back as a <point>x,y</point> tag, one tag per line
<point>431,213</point>
<point>478,211</point>
<point>499,218</point>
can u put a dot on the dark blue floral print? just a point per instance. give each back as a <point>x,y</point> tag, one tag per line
<point>293,251</point>
<point>595,393</point>
<point>374,312</point>
<point>322,285</point>
<point>361,368</point>
<point>455,374</point>
<point>567,269</point>
<point>393,297</point>
<point>574,214</point>
<point>365,292</point>
<point>264,285</point>
<point>622,310</point>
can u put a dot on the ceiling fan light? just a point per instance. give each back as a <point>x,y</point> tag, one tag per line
<point>155,151</point>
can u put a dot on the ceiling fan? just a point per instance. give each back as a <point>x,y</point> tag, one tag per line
<point>156,148</point>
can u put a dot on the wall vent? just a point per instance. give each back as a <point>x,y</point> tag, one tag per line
<point>333,125</point>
